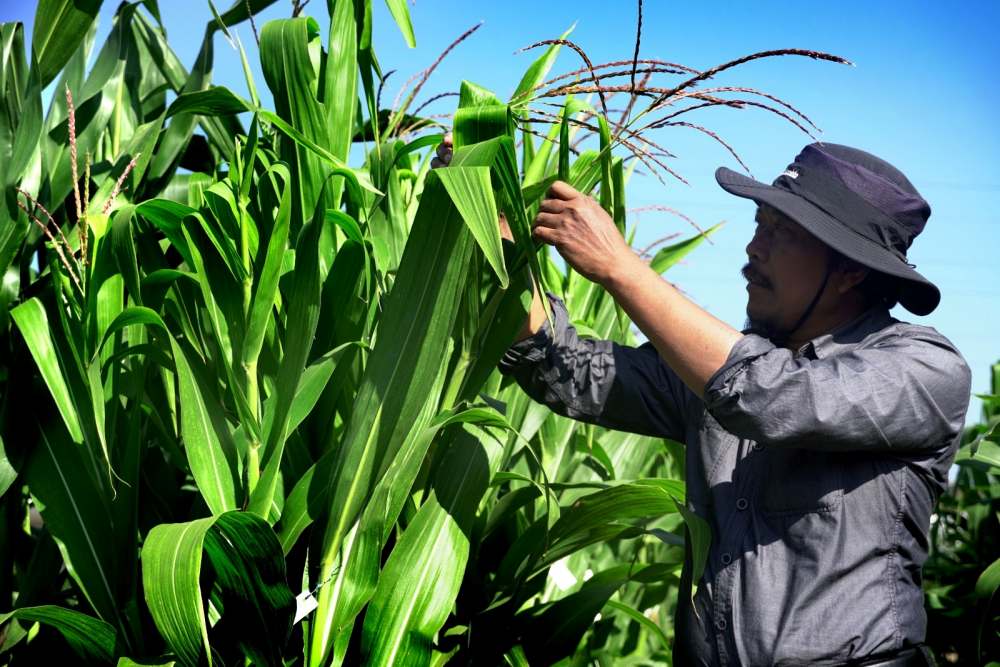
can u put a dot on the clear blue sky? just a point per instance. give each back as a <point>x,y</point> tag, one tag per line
<point>923,96</point>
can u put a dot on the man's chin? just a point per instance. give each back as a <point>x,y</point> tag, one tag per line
<point>760,324</point>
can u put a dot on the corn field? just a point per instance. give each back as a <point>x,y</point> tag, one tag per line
<point>250,409</point>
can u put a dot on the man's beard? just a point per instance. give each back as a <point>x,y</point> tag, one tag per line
<point>761,327</point>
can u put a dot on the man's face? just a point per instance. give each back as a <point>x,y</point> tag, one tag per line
<point>786,266</point>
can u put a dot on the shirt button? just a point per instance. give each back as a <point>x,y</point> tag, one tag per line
<point>727,559</point>
<point>742,504</point>
<point>721,624</point>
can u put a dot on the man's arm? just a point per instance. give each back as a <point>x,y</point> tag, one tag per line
<point>598,381</point>
<point>905,392</point>
<point>691,341</point>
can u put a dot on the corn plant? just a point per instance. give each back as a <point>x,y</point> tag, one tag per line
<point>257,416</point>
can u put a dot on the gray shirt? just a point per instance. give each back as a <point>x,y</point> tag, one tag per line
<point>816,469</point>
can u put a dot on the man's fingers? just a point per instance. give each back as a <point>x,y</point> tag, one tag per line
<point>505,232</point>
<point>545,234</point>
<point>550,220</point>
<point>563,190</point>
<point>552,205</point>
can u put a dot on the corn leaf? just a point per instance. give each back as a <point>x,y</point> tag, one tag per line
<point>63,482</point>
<point>33,323</point>
<point>670,255</point>
<point>93,640</point>
<point>471,192</point>
<point>249,573</point>
<point>401,14</point>
<point>60,26</point>
<point>419,313</point>
<point>418,586</point>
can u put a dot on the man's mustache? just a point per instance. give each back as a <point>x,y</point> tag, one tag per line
<point>753,275</point>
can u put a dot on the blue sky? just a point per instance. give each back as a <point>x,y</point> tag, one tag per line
<point>923,95</point>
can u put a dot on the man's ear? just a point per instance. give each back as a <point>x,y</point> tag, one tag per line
<point>850,275</point>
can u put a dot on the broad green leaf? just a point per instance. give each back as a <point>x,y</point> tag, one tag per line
<point>33,323</point>
<point>640,499</point>
<point>206,441</point>
<point>60,26</point>
<point>7,472</point>
<point>93,640</point>
<point>421,579</point>
<point>551,631</point>
<point>420,312</point>
<point>63,482</point>
<point>249,572</point>
<point>699,540</point>
<point>401,14</point>
<point>340,86</point>
<point>266,287</point>
<point>213,101</point>
<point>987,453</point>
<point>471,192</point>
<point>303,316</point>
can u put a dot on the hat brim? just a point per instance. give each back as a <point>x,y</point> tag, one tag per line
<point>917,294</point>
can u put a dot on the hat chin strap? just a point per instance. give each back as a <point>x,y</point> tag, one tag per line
<point>782,338</point>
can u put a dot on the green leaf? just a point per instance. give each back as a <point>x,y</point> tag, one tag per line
<point>539,69</point>
<point>210,453</point>
<point>471,192</point>
<point>340,86</point>
<point>401,14</point>
<point>634,500</point>
<point>420,311</point>
<point>421,579</point>
<point>699,539</point>
<point>670,255</point>
<point>637,616</point>
<point>266,287</point>
<point>989,580</point>
<point>93,640</point>
<point>213,101</point>
<point>303,316</point>
<point>60,26</point>
<point>63,482</point>
<point>33,323</point>
<point>249,575</point>
<point>986,453</point>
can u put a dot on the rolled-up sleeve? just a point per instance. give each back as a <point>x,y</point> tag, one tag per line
<point>909,391</point>
<point>598,381</point>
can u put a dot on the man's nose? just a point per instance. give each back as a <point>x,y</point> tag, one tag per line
<point>758,249</point>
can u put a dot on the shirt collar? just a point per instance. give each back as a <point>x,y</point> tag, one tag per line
<point>849,334</point>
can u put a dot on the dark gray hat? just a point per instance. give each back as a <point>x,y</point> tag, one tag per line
<point>857,204</point>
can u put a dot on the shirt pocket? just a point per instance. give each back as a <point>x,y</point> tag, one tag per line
<point>798,481</point>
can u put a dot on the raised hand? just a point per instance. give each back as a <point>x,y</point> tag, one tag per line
<point>582,232</point>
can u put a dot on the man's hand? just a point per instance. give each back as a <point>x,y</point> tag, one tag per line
<point>583,233</point>
<point>444,152</point>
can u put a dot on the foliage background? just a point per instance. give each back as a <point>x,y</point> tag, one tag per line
<point>968,520</point>
<point>922,96</point>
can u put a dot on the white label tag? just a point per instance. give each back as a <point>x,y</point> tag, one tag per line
<point>305,604</point>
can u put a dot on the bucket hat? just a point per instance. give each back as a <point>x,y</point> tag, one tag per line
<point>854,202</point>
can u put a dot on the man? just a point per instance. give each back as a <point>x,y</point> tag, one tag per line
<point>818,439</point>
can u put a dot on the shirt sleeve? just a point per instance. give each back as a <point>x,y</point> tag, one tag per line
<point>905,392</point>
<point>598,381</point>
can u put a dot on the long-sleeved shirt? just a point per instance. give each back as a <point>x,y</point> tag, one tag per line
<point>817,469</point>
